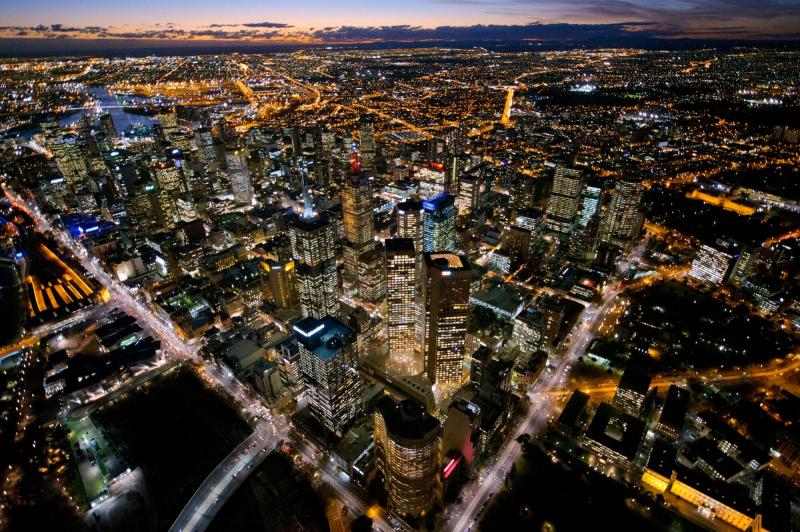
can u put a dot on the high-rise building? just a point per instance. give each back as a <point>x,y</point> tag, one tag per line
<point>282,282</point>
<point>565,199</point>
<point>631,391</point>
<point>517,244</point>
<point>469,190</point>
<point>357,221</point>
<point>407,450</point>
<point>328,363</point>
<point>745,265</point>
<point>239,177</point>
<point>106,125</point>
<point>371,281</point>
<point>623,221</point>
<point>443,311</point>
<point>409,222</point>
<point>439,223</point>
<point>313,239</point>
<point>366,137</point>
<point>673,413</point>
<point>401,261</point>
<point>590,201</point>
<point>713,262</point>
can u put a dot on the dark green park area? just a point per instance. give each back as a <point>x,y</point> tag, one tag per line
<point>177,431</point>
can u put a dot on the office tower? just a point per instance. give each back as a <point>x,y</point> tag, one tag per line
<point>517,244</point>
<point>205,144</point>
<point>614,435</point>
<point>409,222</point>
<point>439,223</point>
<point>623,221</point>
<point>745,265</point>
<point>631,391</point>
<point>554,310</point>
<point>329,365</point>
<point>366,137</point>
<point>357,221</point>
<point>713,262</point>
<point>529,219</point>
<point>106,125</point>
<point>461,431</point>
<point>443,311</point>
<point>313,239</point>
<point>372,276</point>
<point>469,190</point>
<point>282,282</point>
<point>239,176</point>
<point>673,413</point>
<point>168,177</point>
<point>528,330</point>
<point>407,448</point>
<point>562,208</point>
<point>432,181</point>
<point>590,201</point>
<point>401,266</point>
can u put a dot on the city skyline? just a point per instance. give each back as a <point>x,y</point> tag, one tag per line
<point>96,25</point>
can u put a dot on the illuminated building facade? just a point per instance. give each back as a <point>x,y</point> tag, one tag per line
<point>357,222</point>
<point>313,240</point>
<point>439,223</point>
<point>712,263</point>
<point>407,450</point>
<point>282,283</point>
<point>631,391</point>
<point>443,316</point>
<point>623,221</point>
<point>328,363</point>
<point>565,199</point>
<point>401,261</point>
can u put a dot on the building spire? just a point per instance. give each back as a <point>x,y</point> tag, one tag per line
<point>308,204</point>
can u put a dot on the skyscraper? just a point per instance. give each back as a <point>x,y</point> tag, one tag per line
<point>239,177</point>
<point>328,363</point>
<point>443,314</point>
<point>401,260</point>
<point>357,222</point>
<point>407,449</point>
<point>409,222</point>
<point>372,276</point>
<point>439,223</point>
<point>562,208</point>
<point>313,239</point>
<point>623,221</point>
<point>282,282</point>
<point>366,137</point>
<point>469,189</point>
<point>713,262</point>
<point>631,391</point>
<point>590,201</point>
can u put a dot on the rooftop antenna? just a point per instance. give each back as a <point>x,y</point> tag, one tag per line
<point>308,205</point>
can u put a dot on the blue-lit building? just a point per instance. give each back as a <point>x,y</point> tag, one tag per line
<point>439,223</point>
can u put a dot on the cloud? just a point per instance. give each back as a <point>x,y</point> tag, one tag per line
<point>482,32</point>
<point>253,25</point>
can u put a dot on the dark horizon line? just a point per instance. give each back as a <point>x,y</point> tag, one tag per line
<point>13,48</point>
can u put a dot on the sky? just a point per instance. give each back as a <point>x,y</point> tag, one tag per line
<point>367,21</point>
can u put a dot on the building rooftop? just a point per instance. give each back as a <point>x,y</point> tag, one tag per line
<point>325,337</point>
<point>616,430</point>
<point>407,419</point>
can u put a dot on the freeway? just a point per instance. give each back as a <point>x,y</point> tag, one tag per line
<point>477,496</point>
